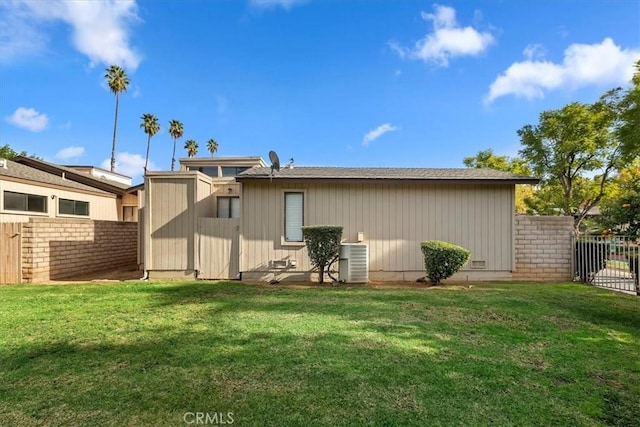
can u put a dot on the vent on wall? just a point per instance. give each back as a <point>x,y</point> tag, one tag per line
<point>478,265</point>
<point>354,263</point>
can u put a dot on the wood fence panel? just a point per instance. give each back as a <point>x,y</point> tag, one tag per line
<point>219,256</point>
<point>10,252</point>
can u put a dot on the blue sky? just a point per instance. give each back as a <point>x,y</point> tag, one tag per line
<point>325,82</point>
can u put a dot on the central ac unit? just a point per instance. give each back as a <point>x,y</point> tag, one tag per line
<point>354,263</point>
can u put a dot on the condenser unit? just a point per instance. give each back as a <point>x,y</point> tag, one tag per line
<point>354,263</point>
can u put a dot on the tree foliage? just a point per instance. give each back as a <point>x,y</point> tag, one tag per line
<point>192,147</point>
<point>6,152</point>
<point>486,159</point>
<point>118,82</point>
<point>212,146</point>
<point>176,130</point>
<point>570,144</point>
<point>323,245</point>
<point>620,207</point>
<point>151,127</point>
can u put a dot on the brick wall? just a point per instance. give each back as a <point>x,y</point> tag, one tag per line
<point>58,248</point>
<point>543,248</point>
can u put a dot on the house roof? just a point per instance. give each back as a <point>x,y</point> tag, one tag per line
<point>23,172</point>
<point>395,174</point>
<point>74,175</point>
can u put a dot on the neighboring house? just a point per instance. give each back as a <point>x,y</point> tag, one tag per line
<point>29,192</point>
<point>125,206</point>
<point>390,210</point>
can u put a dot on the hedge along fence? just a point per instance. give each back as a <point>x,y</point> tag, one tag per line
<point>442,259</point>
<point>323,245</point>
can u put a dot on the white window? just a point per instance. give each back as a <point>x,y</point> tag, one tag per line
<point>293,216</point>
<point>228,207</point>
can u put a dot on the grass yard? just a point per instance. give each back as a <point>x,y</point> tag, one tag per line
<point>130,354</point>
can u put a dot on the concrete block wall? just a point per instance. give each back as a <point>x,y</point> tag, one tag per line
<point>543,248</point>
<point>54,248</point>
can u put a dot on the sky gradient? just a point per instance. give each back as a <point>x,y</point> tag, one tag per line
<point>325,82</point>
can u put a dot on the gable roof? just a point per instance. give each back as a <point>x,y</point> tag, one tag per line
<point>23,172</point>
<point>395,174</point>
<point>74,175</point>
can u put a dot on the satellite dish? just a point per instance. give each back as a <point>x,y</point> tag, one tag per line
<point>275,162</point>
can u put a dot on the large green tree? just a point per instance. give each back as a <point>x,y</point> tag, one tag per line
<point>486,159</point>
<point>150,126</point>
<point>620,207</point>
<point>176,131</point>
<point>629,128</point>
<point>118,82</point>
<point>571,144</point>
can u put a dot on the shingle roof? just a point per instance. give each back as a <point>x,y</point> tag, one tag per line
<point>413,174</point>
<point>20,171</point>
<point>80,177</point>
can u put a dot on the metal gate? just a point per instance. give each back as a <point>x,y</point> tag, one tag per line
<point>608,262</point>
<point>10,253</point>
<point>219,248</point>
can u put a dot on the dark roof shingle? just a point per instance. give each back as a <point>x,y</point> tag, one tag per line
<point>27,173</point>
<point>412,174</point>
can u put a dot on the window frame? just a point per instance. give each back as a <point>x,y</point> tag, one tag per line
<point>75,202</point>
<point>26,211</point>
<point>283,235</point>
<point>230,207</point>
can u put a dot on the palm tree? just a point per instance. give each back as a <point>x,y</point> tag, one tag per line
<point>176,131</point>
<point>151,127</point>
<point>118,81</point>
<point>192,147</point>
<point>212,146</point>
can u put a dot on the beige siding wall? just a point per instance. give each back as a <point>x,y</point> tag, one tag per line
<point>173,204</point>
<point>171,223</point>
<point>58,248</point>
<point>543,248</point>
<point>104,207</point>
<point>394,217</point>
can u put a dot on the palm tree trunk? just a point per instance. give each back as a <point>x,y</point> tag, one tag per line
<point>113,145</point>
<point>173,156</point>
<point>146,160</point>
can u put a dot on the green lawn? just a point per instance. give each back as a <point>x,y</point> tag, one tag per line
<point>149,353</point>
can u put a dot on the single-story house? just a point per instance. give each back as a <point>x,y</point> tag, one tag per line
<point>386,211</point>
<point>124,204</point>
<point>27,192</point>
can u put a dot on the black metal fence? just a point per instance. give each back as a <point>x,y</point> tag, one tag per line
<point>607,261</point>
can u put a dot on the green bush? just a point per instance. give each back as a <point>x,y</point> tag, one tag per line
<point>323,244</point>
<point>443,259</point>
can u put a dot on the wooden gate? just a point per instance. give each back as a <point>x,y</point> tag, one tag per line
<point>10,252</point>
<point>219,248</point>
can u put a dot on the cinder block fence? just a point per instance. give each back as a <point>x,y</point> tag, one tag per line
<point>543,248</point>
<point>57,248</point>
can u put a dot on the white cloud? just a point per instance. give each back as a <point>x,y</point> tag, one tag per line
<point>601,64</point>
<point>70,153</point>
<point>129,164</point>
<point>285,4</point>
<point>28,118</point>
<point>447,40</point>
<point>100,29</point>
<point>376,133</point>
<point>534,51</point>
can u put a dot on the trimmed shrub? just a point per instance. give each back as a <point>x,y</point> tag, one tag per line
<point>323,245</point>
<point>442,259</point>
<point>591,257</point>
